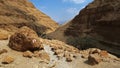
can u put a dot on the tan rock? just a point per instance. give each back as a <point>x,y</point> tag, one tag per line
<point>25,39</point>
<point>7,60</point>
<point>56,47</point>
<point>36,54</point>
<point>60,55</point>
<point>42,55</point>
<point>113,57</point>
<point>28,54</point>
<point>4,34</point>
<point>69,59</point>
<point>3,51</point>
<point>94,50</point>
<point>84,56</point>
<point>94,59</point>
<point>68,56</point>
<point>57,52</point>
<point>104,54</point>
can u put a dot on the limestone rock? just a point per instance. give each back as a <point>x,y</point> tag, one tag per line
<point>42,55</point>
<point>28,54</point>
<point>84,56</point>
<point>104,54</point>
<point>94,50</point>
<point>94,59</point>
<point>36,53</point>
<point>57,52</point>
<point>25,39</point>
<point>69,57</point>
<point>7,60</point>
<point>95,56</point>
<point>3,51</point>
<point>4,34</point>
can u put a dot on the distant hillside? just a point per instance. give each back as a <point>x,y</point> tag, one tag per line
<point>17,13</point>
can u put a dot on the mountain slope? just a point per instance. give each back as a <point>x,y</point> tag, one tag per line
<point>17,13</point>
<point>97,25</point>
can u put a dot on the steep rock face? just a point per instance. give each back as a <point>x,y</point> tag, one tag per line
<point>17,13</point>
<point>101,16</point>
<point>100,21</point>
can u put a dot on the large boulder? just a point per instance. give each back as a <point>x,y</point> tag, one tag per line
<point>25,39</point>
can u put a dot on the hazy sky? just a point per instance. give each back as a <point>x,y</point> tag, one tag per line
<point>60,10</point>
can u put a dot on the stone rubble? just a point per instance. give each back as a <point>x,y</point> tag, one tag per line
<point>7,60</point>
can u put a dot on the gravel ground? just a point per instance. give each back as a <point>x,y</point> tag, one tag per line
<point>23,62</point>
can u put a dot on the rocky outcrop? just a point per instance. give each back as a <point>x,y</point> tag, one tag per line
<point>97,25</point>
<point>25,39</point>
<point>17,13</point>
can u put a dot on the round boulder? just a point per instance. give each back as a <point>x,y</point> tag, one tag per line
<point>25,39</point>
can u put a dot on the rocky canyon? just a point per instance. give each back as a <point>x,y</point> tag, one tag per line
<point>97,25</point>
<point>31,39</point>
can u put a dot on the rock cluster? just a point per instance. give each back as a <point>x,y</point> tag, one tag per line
<point>61,49</point>
<point>95,56</point>
<point>41,54</point>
